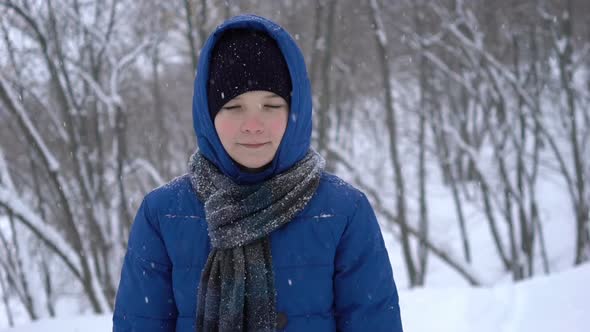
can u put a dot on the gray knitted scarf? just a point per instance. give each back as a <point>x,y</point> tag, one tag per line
<point>237,291</point>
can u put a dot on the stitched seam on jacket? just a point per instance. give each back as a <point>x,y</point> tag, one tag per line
<point>175,216</point>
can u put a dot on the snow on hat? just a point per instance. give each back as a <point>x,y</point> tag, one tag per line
<point>245,60</point>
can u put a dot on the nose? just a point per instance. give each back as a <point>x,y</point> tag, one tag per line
<point>252,124</point>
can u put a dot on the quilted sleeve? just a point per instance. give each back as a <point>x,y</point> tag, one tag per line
<point>145,300</point>
<point>366,297</point>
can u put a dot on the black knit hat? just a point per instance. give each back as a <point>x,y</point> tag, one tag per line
<point>245,60</point>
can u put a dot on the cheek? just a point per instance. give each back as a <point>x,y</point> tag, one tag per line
<point>225,128</point>
<point>279,125</point>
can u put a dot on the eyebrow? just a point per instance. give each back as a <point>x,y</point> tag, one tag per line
<point>270,95</point>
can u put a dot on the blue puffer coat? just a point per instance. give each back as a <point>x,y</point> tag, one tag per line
<point>331,269</point>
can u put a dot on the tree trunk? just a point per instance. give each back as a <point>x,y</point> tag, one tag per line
<point>391,122</point>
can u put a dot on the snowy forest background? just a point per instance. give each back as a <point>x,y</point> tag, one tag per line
<point>466,123</point>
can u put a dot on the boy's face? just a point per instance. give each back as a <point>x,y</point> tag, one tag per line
<point>251,126</point>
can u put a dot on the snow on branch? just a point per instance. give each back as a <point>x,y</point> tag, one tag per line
<point>464,146</point>
<point>112,99</point>
<point>417,42</point>
<point>125,60</point>
<point>379,27</point>
<point>5,178</point>
<point>11,98</point>
<point>473,156</point>
<point>109,101</point>
<point>505,72</point>
<point>12,101</point>
<point>10,200</point>
<point>117,65</point>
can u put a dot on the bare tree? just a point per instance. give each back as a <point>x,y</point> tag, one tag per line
<point>390,119</point>
<point>563,45</point>
<point>87,188</point>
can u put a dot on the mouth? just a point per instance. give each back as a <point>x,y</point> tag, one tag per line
<point>252,145</point>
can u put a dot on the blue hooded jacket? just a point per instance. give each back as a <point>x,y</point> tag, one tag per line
<point>331,268</point>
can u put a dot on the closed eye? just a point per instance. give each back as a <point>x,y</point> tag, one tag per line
<point>231,107</point>
<point>274,106</point>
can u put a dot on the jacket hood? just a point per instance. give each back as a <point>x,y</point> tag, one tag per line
<point>297,137</point>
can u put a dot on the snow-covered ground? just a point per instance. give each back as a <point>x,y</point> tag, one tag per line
<point>559,302</point>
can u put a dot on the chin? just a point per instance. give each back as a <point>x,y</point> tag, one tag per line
<point>255,165</point>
